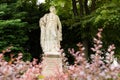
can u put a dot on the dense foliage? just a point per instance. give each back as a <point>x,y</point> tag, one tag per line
<point>107,16</point>
<point>19,23</point>
<point>19,26</point>
<point>11,26</point>
<point>99,68</point>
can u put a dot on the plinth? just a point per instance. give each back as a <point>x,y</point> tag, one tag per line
<point>52,63</point>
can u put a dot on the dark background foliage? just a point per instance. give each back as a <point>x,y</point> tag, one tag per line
<point>19,24</point>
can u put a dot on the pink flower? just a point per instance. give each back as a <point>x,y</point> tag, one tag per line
<point>1,55</point>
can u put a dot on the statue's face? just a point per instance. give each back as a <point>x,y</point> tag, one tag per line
<point>52,9</point>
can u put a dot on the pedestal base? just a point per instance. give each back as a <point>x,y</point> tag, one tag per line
<point>51,65</point>
<point>52,53</point>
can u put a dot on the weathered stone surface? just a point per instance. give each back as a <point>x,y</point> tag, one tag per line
<point>51,65</point>
<point>51,31</point>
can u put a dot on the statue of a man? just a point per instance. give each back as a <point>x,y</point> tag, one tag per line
<point>51,31</point>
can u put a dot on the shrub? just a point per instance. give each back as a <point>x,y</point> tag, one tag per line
<point>103,65</point>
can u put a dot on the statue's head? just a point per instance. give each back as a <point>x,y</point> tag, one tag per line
<point>52,9</point>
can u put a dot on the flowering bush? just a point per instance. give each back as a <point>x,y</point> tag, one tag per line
<point>17,69</point>
<point>99,68</point>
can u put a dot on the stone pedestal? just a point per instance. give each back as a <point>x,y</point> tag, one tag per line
<point>51,64</point>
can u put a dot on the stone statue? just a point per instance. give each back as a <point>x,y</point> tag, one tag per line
<point>51,31</point>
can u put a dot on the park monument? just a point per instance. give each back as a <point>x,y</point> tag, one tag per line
<point>51,36</point>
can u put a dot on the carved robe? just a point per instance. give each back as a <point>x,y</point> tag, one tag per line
<point>51,32</point>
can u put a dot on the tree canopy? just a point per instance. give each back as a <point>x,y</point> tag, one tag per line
<point>19,22</point>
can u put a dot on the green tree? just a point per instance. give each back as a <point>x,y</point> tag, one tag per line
<point>12,28</point>
<point>19,24</point>
<point>106,15</point>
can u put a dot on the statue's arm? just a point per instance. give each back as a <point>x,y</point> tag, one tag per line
<point>59,28</point>
<point>42,29</point>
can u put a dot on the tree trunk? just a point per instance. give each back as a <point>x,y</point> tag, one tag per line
<point>74,7</point>
<point>86,7</point>
<point>93,6</point>
<point>81,7</point>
